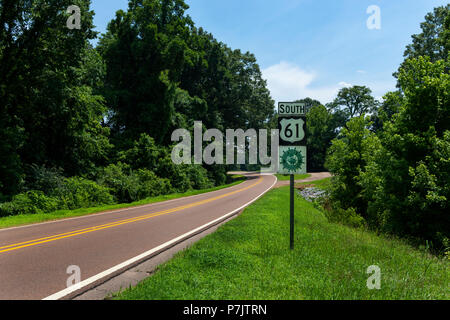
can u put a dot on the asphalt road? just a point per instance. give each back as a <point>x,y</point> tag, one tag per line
<point>36,260</point>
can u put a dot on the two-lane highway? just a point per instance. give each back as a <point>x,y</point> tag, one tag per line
<point>34,259</point>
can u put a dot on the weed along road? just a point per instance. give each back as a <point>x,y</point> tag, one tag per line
<point>40,261</point>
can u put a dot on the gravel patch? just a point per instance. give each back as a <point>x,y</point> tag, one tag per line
<point>310,194</point>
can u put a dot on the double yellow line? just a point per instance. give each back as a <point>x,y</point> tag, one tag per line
<point>35,242</point>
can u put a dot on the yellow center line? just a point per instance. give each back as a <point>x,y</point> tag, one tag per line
<point>34,242</point>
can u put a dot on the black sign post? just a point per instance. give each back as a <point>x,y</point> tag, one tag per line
<point>292,150</point>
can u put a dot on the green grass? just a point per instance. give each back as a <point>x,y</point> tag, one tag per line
<point>19,220</point>
<point>321,184</point>
<point>283,177</point>
<point>249,258</point>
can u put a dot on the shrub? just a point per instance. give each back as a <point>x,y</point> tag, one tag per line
<point>346,160</point>
<point>345,216</point>
<point>82,193</point>
<point>128,186</point>
<point>144,154</point>
<point>117,178</point>
<point>30,202</point>
<point>179,176</point>
<point>44,179</point>
<point>198,177</point>
<point>151,185</point>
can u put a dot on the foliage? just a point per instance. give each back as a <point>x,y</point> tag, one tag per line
<point>321,130</point>
<point>398,181</point>
<point>346,160</point>
<point>410,196</point>
<point>433,41</point>
<point>44,179</point>
<point>392,101</point>
<point>72,194</point>
<point>49,113</point>
<point>354,101</point>
<point>30,202</point>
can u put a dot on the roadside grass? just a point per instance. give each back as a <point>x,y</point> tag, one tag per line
<point>19,220</point>
<point>249,258</point>
<point>283,177</point>
<point>321,184</point>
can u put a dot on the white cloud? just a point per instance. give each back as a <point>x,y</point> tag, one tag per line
<point>361,71</point>
<point>288,82</point>
<point>344,84</point>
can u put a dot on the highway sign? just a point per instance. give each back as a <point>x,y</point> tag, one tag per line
<point>292,127</point>
<point>292,147</point>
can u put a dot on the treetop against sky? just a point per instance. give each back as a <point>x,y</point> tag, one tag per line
<point>309,48</point>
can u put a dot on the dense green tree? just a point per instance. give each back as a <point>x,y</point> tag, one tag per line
<point>164,74</point>
<point>346,161</point>
<point>145,51</point>
<point>49,112</point>
<point>431,42</point>
<point>412,167</point>
<point>354,102</point>
<point>321,131</point>
<point>392,101</point>
<point>434,40</point>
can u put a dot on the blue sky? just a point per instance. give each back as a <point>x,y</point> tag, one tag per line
<point>308,47</point>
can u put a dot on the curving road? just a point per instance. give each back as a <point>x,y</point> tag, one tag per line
<point>35,259</point>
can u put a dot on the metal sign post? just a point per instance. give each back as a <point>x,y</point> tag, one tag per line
<point>292,150</point>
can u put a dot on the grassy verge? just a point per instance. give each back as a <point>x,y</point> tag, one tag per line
<point>283,177</point>
<point>249,258</point>
<point>321,184</point>
<point>19,220</point>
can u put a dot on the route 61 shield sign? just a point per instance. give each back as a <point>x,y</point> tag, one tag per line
<point>292,130</point>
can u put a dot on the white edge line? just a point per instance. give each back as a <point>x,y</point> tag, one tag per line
<point>122,265</point>
<point>120,209</point>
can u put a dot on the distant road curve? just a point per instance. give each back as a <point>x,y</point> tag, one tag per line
<point>36,261</point>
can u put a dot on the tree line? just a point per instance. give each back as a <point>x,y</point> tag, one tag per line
<point>75,117</point>
<point>391,167</point>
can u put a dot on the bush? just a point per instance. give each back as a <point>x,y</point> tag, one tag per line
<point>82,193</point>
<point>44,179</point>
<point>198,176</point>
<point>117,178</point>
<point>151,185</point>
<point>346,160</point>
<point>31,202</point>
<point>345,216</point>
<point>144,154</point>
<point>128,186</point>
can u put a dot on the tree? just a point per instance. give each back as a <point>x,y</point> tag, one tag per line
<point>431,42</point>
<point>434,40</point>
<point>354,102</point>
<point>346,161</point>
<point>392,102</point>
<point>163,74</point>
<point>320,132</point>
<point>144,50</point>
<point>49,112</point>
<point>406,180</point>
